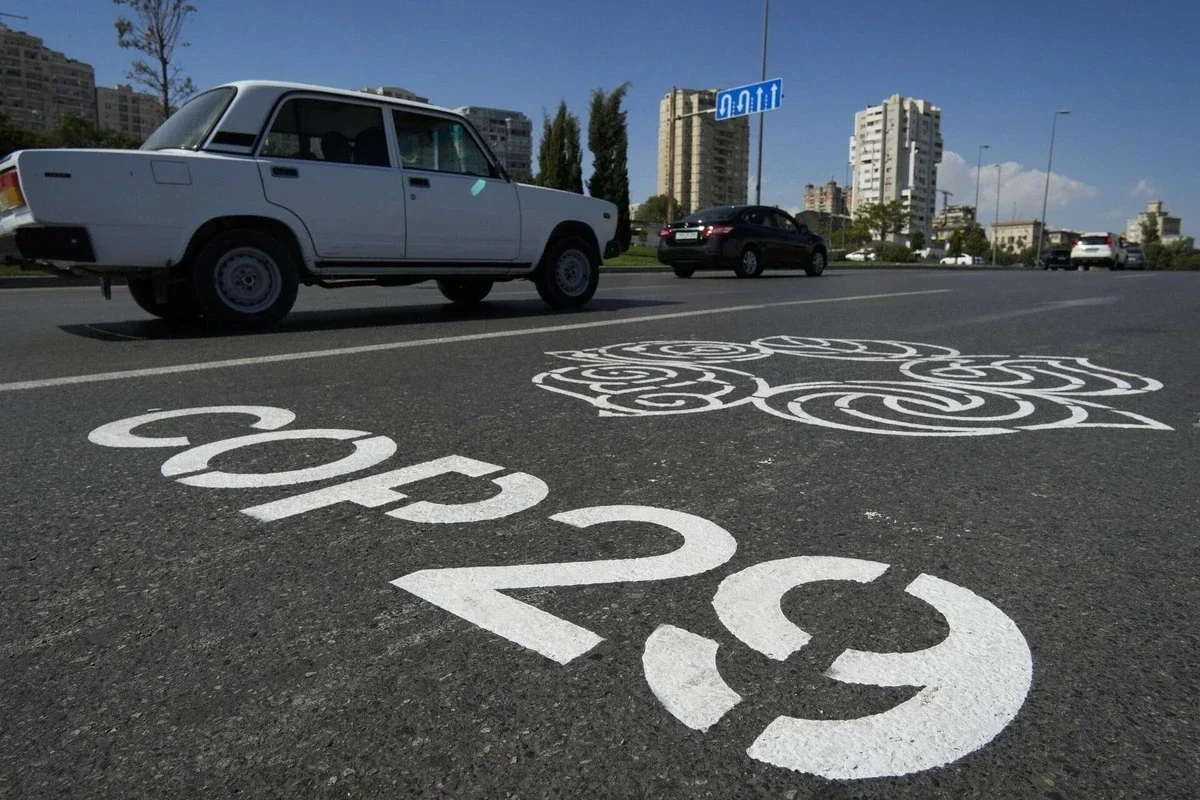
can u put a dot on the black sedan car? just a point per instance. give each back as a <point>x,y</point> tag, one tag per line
<point>1056,259</point>
<point>745,239</point>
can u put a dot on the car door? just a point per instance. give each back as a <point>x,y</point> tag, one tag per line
<point>797,243</point>
<point>327,161</point>
<point>761,232</point>
<point>460,207</point>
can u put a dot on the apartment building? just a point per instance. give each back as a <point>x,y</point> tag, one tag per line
<point>1015,235</point>
<point>40,87</point>
<point>1062,237</point>
<point>135,114</point>
<point>1168,227</point>
<point>894,152</point>
<point>827,198</point>
<point>711,159</point>
<point>953,218</point>
<point>508,133</point>
<point>397,92</point>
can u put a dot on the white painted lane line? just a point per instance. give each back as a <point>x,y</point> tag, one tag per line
<point>98,377</point>
<point>1022,312</point>
<point>1143,275</point>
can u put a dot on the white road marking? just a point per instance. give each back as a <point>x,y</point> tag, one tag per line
<point>120,433</point>
<point>97,377</point>
<point>681,668</point>
<point>1022,312</point>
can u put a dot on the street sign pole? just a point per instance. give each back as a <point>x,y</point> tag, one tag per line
<point>762,120</point>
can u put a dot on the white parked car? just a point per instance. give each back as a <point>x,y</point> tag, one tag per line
<point>253,188</point>
<point>963,260</point>
<point>862,255</point>
<point>1103,249</point>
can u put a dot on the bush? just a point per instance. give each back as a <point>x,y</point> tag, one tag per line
<point>895,253</point>
<point>838,255</point>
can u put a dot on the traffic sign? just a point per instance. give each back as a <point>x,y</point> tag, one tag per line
<point>753,98</point>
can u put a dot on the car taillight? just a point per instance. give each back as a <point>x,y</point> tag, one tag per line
<point>665,233</point>
<point>718,230</point>
<point>1109,242</point>
<point>10,191</point>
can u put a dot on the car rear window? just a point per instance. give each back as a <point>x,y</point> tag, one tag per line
<point>1094,240</point>
<point>187,127</point>
<point>713,214</point>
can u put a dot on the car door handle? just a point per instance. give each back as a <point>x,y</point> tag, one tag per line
<point>422,183</point>
<point>285,172</point>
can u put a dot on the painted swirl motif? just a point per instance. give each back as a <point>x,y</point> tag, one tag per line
<point>637,390</point>
<point>1074,377</point>
<point>900,408</point>
<point>667,352</point>
<point>852,349</point>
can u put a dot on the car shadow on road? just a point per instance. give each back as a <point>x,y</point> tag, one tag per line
<point>355,318</point>
<point>766,276</point>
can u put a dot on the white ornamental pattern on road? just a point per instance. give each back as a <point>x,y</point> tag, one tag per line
<point>940,391</point>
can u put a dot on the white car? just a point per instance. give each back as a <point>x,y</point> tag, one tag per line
<point>862,255</point>
<point>1103,249</point>
<point>254,187</point>
<point>962,260</point>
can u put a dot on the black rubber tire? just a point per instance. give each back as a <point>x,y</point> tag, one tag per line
<point>181,305</point>
<point>217,311</point>
<point>742,271</point>
<point>1087,267</point>
<point>819,260</point>
<point>547,283</point>
<point>683,272</point>
<point>465,292</point>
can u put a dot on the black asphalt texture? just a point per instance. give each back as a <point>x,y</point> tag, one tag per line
<point>157,642</point>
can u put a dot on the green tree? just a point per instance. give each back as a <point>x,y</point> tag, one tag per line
<point>858,232</point>
<point>885,219</point>
<point>154,31</point>
<point>13,138</point>
<point>1150,230</point>
<point>608,139</point>
<point>956,243</point>
<point>916,240</point>
<point>975,242</point>
<point>560,158</point>
<point>655,208</point>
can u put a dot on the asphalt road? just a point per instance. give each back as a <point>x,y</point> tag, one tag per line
<point>793,564</point>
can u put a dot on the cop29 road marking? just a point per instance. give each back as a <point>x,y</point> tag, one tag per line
<point>98,377</point>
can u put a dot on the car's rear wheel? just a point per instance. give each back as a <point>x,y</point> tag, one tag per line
<point>245,280</point>
<point>180,305</point>
<point>750,265</point>
<point>569,273</point>
<point>683,272</point>
<point>465,292</point>
<point>817,266</point>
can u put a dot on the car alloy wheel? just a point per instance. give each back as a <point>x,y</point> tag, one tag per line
<point>750,266</point>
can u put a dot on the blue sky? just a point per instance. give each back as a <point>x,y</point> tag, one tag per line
<point>1129,74</point>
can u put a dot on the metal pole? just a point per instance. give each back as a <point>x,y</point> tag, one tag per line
<point>671,159</point>
<point>978,169</point>
<point>996,229</point>
<point>1046,191</point>
<point>762,118</point>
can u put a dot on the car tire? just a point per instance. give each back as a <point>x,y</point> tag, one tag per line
<point>180,306</point>
<point>465,292</point>
<point>569,273</point>
<point>245,280</point>
<point>750,265</point>
<point>683,272</point>
<point>817,266</point>
<point>1087,267</point>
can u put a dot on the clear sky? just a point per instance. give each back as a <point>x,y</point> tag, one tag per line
<point>1129,73</point>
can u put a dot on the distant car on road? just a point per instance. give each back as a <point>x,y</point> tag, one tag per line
<point>862,255</point>
<point>1103,249</point>
<point>745,239</point>
<point>963,260</point>
<point>1058,258</point>
<point>1135,257</point>
<point>255,187</point>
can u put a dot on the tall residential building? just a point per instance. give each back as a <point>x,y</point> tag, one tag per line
<point>894,153</point>
<point>1168,226</point>
<point>712,159</point>
<point>828,198</point>
<point>135,114</point>
<point>396,92</point>
<point>40,87</point>
<point>508,133</point>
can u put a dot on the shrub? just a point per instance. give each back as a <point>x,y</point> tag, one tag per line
<point>895,253</point>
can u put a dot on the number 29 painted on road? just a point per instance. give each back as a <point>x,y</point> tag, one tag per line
<point>971,685</point>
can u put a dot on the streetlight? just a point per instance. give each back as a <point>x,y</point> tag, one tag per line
<point>1046,193</point>
<point>762,118</point>
<point>996,227</point>
<point>978,169</point>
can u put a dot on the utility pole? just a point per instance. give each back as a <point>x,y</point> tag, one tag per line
<point>996,227</point>
<point>762,118</point>
<point>1046,193</point>
<point>978,169</point>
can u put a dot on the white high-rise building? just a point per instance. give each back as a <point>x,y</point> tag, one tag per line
<point>509,134</point>
<point>712,159</point>
<point>894,153</point>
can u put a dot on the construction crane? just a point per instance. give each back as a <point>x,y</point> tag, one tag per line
<point>14,16</point>
<point>945,198</point>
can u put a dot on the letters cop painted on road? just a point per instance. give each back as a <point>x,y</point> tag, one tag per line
<point>971,684</point>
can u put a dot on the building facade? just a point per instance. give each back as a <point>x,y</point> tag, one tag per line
<point>711,159</point>
<point>953,218</point>
<point>40,87</point>
<point>827,198</point>
<point>894,152</point>
<point>396,92</point>
<point>135,114</point>
<point>1015,235</point>
<point>1168,227</point>
<point>509,134</point>
<point>1062,237</point>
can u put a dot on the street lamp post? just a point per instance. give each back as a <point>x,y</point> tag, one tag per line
<point>978,169</point>
<point>996,227</point>
<point>1046,192</point>
<point>762,118</point>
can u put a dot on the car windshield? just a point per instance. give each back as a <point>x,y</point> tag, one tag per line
<point>1134,248</point>
<point>1094,240</point>
<point>712,214</point>
<point>187,127</point>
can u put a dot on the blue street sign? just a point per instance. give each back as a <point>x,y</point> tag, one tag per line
<point>753,98</point>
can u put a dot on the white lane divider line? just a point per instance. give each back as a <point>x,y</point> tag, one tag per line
<point>98,377</point>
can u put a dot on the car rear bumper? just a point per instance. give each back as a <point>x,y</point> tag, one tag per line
<point>1092,261</point>
<point>712,254</point>
<point>51,243</point>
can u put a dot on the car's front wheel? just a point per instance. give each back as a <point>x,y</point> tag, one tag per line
<point>817,266</point>
<point>751,264</point>
<point>465,292</point>
<point>683,272</point>
<point>245,280</point>
<point>569,273</point>
<point>180,305</point>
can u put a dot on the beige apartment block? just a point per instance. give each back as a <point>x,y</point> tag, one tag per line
<point>827,198</point>
<point>1062,236</point>
<point>40,87</point>
<point>1015,235</point>
<point>712,159</point>
<point>953,218</point>
<point>1168,227</point>
<point>894,152</point>
<point>135,114</point>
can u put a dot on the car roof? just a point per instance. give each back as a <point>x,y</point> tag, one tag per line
<point>286,86</point>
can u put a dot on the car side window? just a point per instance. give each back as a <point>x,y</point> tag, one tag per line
<point>439,145</point>
<point>328,130</point>
<point>756,217</point>
<point>784,224</point>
